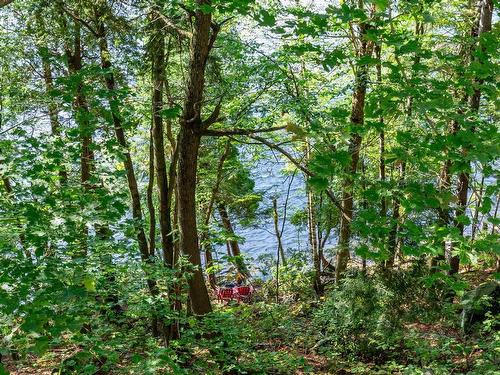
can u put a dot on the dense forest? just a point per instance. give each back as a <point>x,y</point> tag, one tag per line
<point>249,187</point>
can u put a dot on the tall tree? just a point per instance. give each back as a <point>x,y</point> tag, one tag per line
<point>482,26</point>
<point>191,125</point>
<point>363,47</point>
<point>157,46</point>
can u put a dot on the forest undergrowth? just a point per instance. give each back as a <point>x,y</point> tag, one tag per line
<point>403,322</point>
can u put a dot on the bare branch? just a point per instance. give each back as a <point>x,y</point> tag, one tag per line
<point>82,21</point>
<point>171,26</point>
<point>225,21</point>
<point>214,117</point>
<point>215,31</point>
<point>222,133</point>
<point>306,171</point>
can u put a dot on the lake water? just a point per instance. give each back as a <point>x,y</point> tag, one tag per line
<point>260,238</point>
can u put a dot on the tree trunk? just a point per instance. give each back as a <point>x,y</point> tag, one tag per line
<point>191,126</point>
<point>233,244</point>
<point>226,223</point>
<point>475,218</point>
<point>281,250</point>
<point>53,112</point>
<point>157,44</point>
<point>82,115</point>
<point>129,166</point>
<point>149,197</point>
<point>485,11</point>
<point>314,242</point>
<point>205,239</point>
<point>394,241</point>
<point>383,201</point>
<point>357,120</point>
<point>189,143</point>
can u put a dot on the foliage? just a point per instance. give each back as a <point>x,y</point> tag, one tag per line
<point>385,112</point>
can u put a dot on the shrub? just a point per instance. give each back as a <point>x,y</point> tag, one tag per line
<point>355,320</point>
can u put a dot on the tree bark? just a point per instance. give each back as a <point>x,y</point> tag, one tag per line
<point>233,244</point>
<point>208,214</point>
<point>157,44</point>
<point>394,242</point>
<point>149,197</point>
<point>357,121</point>
<point>5,2</point>
<point>226,223</point>
<point>281,250</point>
<point>191,126</point>
<point>189,143</point>
<point>383,201</point>
<point>485,10</point>
<point>312,224</point>
<point>479,201</point>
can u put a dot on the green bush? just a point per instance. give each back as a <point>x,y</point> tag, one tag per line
<point>355,320</point>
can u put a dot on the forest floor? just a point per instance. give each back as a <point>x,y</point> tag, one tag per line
<point>278,339</point>
<point>313,363</point>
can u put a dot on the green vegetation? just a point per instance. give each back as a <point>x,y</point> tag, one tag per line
<point>134,139</point>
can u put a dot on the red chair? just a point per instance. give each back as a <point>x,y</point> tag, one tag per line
<point>225,294</point>
<point>243,293</point>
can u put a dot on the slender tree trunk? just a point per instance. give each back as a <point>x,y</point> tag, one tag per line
<point>129,166</point>
<point>495,215</point>
<point>233,244</point>
<point>205,236</point>
<point>52,106</point>
<point>394,240</point>
<point>383,201</point>
<point>82,118</point>
<point>364,204</point>
<point>158,67</point>
<point>476,211</point>
<point>226,223</point>
<point>149,197</point>
<point>281,250</point>
<point>357,120</point>
<point>314,242</point>
<point>364,48</point>
<point>485,10</point>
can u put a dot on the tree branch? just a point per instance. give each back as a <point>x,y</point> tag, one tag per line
<point>82,21</point>
<point>5,2</point>
<point>222,133</point>
<point>215,31</point>
<point>306,171</point>
<point>169,25</point>
<point>214,117</point>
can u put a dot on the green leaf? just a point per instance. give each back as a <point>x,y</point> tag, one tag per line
<point>172,112</point>
<point>206,9</point>
<point>463,219</point>
<point>265,18</point>
<point>368,60</point>
<point>410,47</point>
<point>318,183</point>
<point>41,345</point>
<point>486,205</point>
